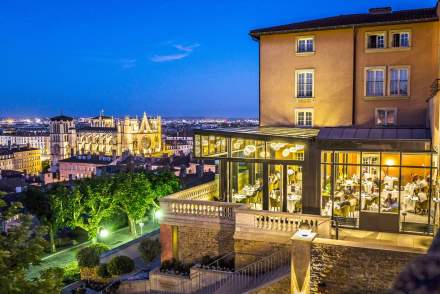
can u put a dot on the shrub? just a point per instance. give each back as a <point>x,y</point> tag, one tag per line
<point>89,256</point>
<point>175,266</point>
<point>102,271</point>
<point>71,273</point>
<point>120,265</point>
<point>149,249</point>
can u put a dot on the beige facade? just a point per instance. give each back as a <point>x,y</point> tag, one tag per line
<point>278,64</point>
<point>81,166</point>
<point>41,142</point>
<point>336,62</point>
<point>26,160</point>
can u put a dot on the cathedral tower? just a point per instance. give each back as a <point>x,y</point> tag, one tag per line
<point>61,135</point>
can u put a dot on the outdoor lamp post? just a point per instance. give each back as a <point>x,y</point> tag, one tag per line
<point>103,233</point>
<point>304,229</point>
<point>158,215</point>
<point>141,225</point>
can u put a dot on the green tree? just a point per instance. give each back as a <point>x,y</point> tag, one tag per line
<point>134,196</point>
<point>20,247</point>
<point>85,205</point>
<point>164,183</point>
<point>40,204</point>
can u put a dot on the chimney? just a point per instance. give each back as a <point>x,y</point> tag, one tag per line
<point>380,10</point>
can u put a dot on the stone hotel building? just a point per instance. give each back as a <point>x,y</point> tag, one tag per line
<point>342,169</point>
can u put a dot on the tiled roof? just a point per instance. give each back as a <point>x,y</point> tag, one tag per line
<point>374,134</point>
<point>96,129</point>
<point>92,159</point>
<point>341,21</point>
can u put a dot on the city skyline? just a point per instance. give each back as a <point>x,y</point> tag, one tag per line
<point>172,59</point>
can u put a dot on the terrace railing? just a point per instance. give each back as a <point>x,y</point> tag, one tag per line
<point>279,224</point>
<point>262,271</point>
<point>196,205</point>
<point>201,192</point>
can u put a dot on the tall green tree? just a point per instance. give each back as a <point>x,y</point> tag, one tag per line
<point>164,183</point>
<point>86,205</point>
<point>40,204</point>
<point>134,196</point>
<point>21,246</point>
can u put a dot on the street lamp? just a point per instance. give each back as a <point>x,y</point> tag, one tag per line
<point>158,214</point>
<point>141,225</point>
<point>104,233</point>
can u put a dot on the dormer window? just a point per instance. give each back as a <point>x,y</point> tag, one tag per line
<point>305,45</point>
<point>376,40</point>
<point>400,39</point>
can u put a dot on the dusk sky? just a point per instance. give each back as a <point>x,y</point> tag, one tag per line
<point>171,58</point>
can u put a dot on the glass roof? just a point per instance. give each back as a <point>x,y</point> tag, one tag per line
<point>263,132</point>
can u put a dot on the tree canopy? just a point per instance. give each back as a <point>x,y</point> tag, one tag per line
<point>89,201</point>
<point>21,246</point>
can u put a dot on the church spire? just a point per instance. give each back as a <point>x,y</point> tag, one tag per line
<point>145,125</point>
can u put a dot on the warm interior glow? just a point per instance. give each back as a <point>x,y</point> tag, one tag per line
<point>389,162</point>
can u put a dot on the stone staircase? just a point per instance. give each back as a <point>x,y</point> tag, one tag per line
<point>252,276</point>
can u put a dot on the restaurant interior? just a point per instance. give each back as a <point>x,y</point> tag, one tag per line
<point>356,183</point>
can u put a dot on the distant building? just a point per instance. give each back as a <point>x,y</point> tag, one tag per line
<point>104,135</point>
<point>23,159</point>
<point>179,145</point>
<point>40,141</point>
<point>81,166</point>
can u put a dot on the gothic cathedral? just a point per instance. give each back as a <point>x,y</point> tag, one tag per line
<point>104,135</point>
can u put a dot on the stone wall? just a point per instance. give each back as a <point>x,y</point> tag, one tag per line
<point>336,268</point>
<point>196,242</point>
<point>134,287</point>
<point>249,251</point>
<point>166,251</point>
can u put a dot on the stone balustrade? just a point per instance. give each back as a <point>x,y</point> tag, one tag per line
<point>278,224</point>
<point>201,192</point>
<point>197,212</point>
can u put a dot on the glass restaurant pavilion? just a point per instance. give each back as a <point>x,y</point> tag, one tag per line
<point>371,179</point>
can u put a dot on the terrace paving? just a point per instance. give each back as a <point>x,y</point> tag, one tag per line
<point>390,239</point>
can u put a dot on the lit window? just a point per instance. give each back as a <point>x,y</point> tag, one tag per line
<point>376,40</point>
<point>386,116</point>
<point>400,40</point>
<point>304,84</point>
<point>304,45</point>
<point>304,117</point>
<point>399,81</point>
<point>375,85</point>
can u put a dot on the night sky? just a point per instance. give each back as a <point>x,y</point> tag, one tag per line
<point>172,58</point>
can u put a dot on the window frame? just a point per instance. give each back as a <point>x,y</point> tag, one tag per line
<point>305,111</point>
<point>386,109</point>
<point>379,33</point>
<point>300,38</point>
<point>408,88</point>
<point>391,34</point>
<point>385,77</point>
<point>304,71</point>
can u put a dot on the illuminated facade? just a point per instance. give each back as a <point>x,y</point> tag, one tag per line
<point>345,129</point>
<point>103,135</point>
<point>40,141</point>
<point>23,159</point>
